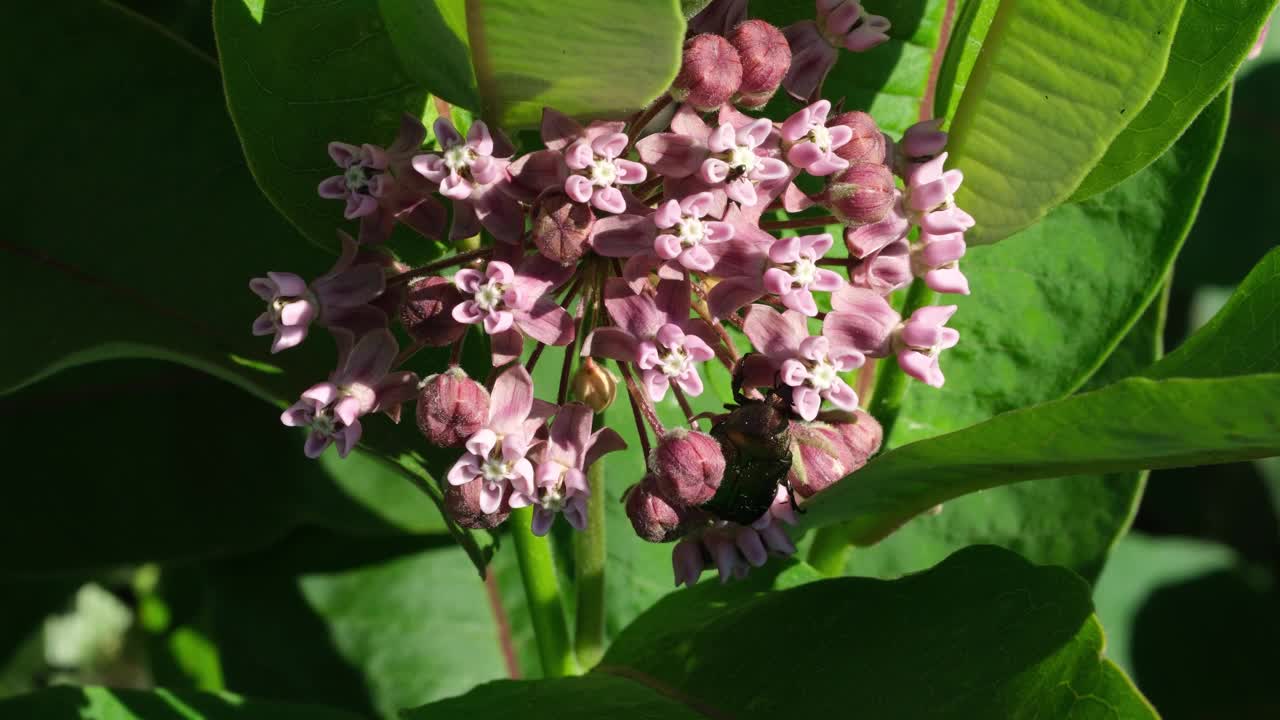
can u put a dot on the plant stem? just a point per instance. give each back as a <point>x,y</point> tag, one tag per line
<point>829,551</point>
<point>542,592</point>
<point>588,565</point>
<point>429,268</point>
<point>892,384</point>
<point>801,223</point>
<point>831,544</point>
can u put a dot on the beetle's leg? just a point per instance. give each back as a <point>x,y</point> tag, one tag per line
<point>791,496</point>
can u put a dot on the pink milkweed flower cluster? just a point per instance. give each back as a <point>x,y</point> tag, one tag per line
<point>648,248</point>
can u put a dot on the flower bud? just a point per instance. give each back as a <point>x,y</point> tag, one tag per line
<point>868,143</point>
<point>462,503</point>
<point>427,312</point>
<point>861,194</point>
<point>825,451</point>
<point>885,270</point>
<point>594,386</point>
<point>765,57</point>
<point>652,516</point>
<point>561,228</point>
<point>451,407</point>
<point>710,73</point>
<point>690,466</point>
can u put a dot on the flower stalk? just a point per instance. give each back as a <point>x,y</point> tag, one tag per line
<point>589,554</point>
<point>542,592</point>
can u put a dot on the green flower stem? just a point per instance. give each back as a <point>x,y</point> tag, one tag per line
<point>542,592</point>
<point>830,547</point>
<point>588,565</point>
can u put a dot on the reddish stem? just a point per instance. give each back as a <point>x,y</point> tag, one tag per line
<point>429,268</point>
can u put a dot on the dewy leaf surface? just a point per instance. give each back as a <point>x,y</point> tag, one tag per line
<point>982,635</point>
<point>586,58</point>
<point>1212,39</point>
<point>1055,82</point>
<point>1090,267</point>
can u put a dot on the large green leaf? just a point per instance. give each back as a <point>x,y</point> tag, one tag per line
<point>1243,338</point>
<point>365,625</point>
<point>1055,83</point>
<point>1115,250</point>
<point>99,703</point>
<point>890,81</point>
<point>968,33</point>
<point>131,493</point>
<point>984,634</point>
<point>1135,424</point>
<point>1212,39</point>
<point>299,74</point>
<point>154,263</point>
<point>1192,416</point>
<point>622,54</point>
<point>1072,522</point>
<point>430,37</point>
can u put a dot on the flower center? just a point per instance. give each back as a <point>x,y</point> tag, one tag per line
<point>356,178</point>
<point>691,231</point>
<point>323,423</point>
<point>819,135</point>
<point>742,160</point>
<point>458,158</point>
<point>603,172</point>
<point>674,362</point>
<point>806,269</point>
<point>495,469</point>
<point>823,374</point>
<point>489,295</point>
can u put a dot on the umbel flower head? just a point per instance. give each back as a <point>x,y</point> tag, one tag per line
<point>674,256</point>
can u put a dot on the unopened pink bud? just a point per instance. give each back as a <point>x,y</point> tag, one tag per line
<point>427,313</point>
<point>829,449</point>
<point>867,144</point>
<point>689,465</point>
<point>653,517</point>
<point>561,228</point>
<point>710,73</point>
<point>861,194</point>
<point>462,503</point>
<point>451,408</point>
<point>765,56</point>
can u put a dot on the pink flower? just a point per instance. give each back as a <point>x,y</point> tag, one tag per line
<point>739,160</point>
<point>921,339</point>
<point>340,297</point>
<point>377,185</point>
<point>810,145</point>
<point>468,173</point>
<point>496,454</point>
<point>885,270</point>
<point>735,549</point>
<point>930,198</point>
<point>844,23</point>
<point>863,240</point>
<point>795,273</point>
<point>655,333</point>
<point>596,168</point>
<point>814,45</point>
<point>511,304</point>
<point>936,258</point>
<point>362,384</point>
<point>687,234</point>
<point>809,366</point>
<point>921,143</point>
<point>559,483</point>
<point>861,319</point>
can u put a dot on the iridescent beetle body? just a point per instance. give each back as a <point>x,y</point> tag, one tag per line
<point>756,440</point>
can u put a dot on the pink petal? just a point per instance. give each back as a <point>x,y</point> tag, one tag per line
<point>558,130</point>
<point>456,187</point>
<point>447,135</point>
<point>947,280</point>
<point>713,171</point>
<point>622,235</point>
<point>666,215</point>
<point>534,172</point>
<point>732,293</point>
<point>578,188</point>
<point>505,346</point>
<point>546,322</point>
<point>785,250</point>
<point>479,139</point>
<point>697,258</point>
<point>578,156</point>
<point>805,155</point>
<point>264,325</point>
<point>843,396</point>
<point>333,188</point>
<point>672,155</point>
<point>667,247</point>
<point>629,172</point>
<point>610,342</point>
<point>777,335</point>
<point>431,167</point>
<point>656,384</point>
<point>800,300</point>
<point>609,146</point>
<point>510,400</point>
<point>806,402</point>
<point>609,199</point>
<point>770,169</point>
<point>742,191</point>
